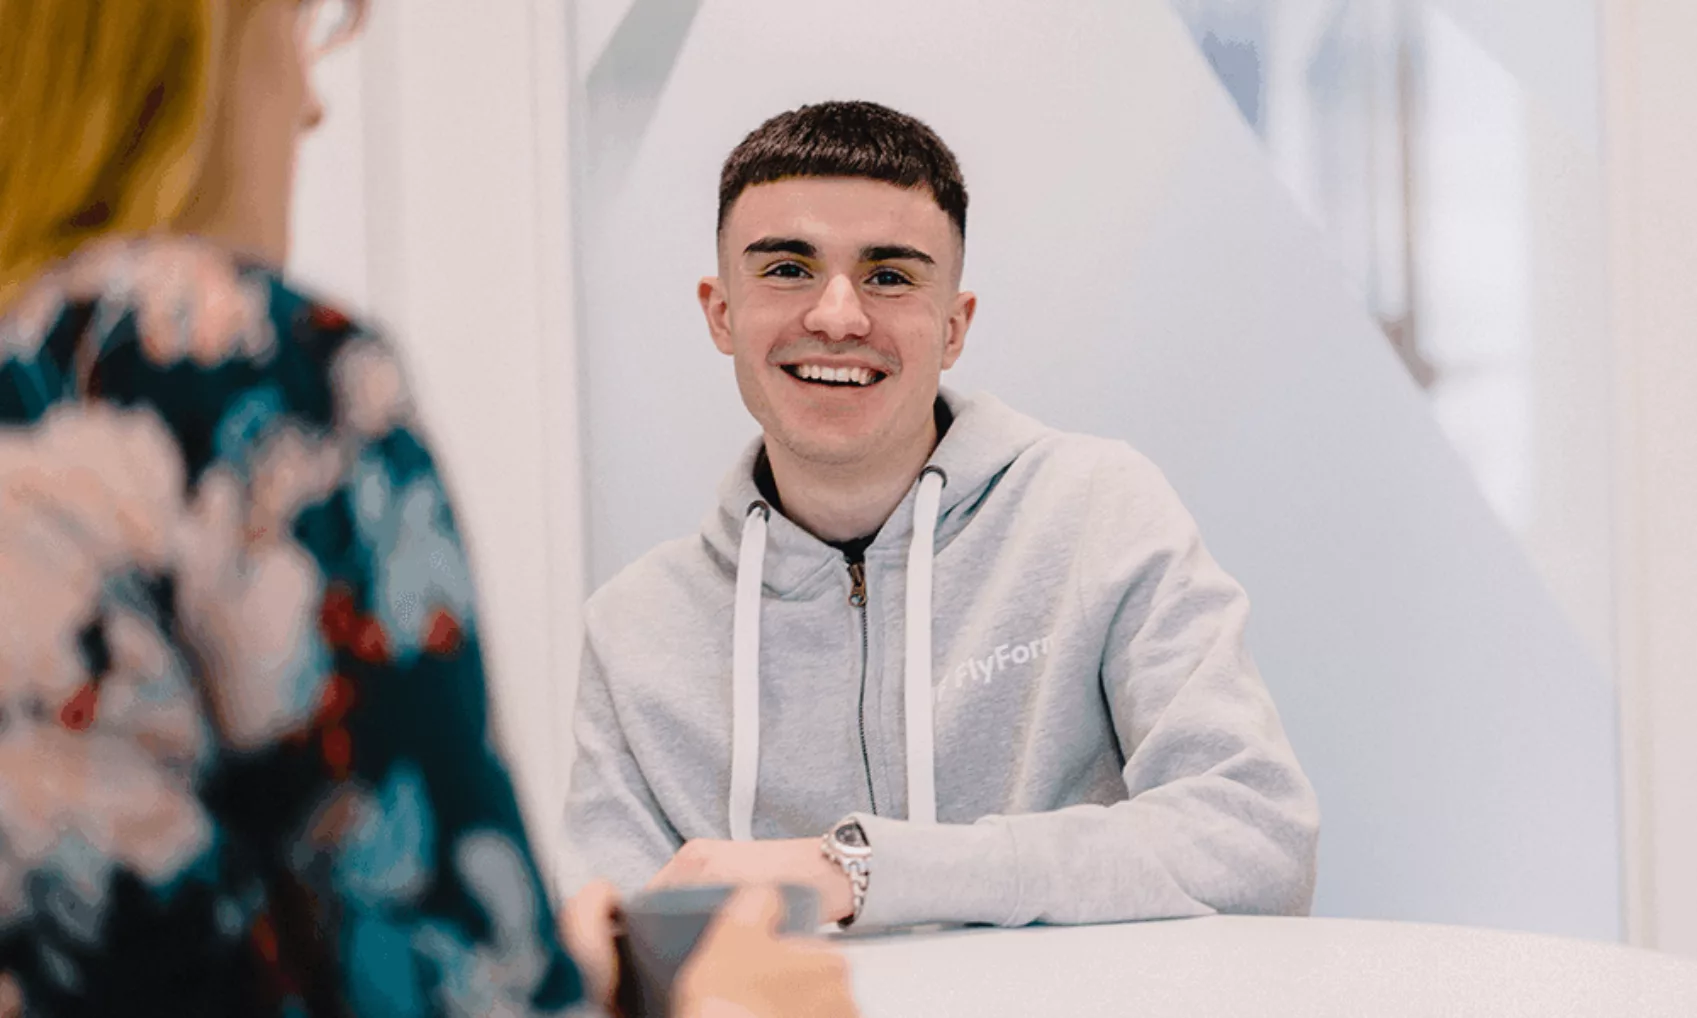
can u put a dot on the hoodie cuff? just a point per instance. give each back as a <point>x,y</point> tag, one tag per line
<point>938,873</point>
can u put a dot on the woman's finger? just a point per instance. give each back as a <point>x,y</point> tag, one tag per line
<point>589,927</point>
<point>756,908</point>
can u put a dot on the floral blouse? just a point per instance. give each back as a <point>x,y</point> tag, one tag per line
<point>245,758</point>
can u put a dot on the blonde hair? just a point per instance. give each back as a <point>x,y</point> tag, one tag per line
<point>104,111</point>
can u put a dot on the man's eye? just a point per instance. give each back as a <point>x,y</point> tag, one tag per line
<point>888,277</point>
<point>785,270</point>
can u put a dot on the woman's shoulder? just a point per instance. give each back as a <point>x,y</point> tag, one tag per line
<point>183,298</point>
<point>155,311</point>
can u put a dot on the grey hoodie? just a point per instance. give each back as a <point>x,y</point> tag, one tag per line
<point>1102,748</point>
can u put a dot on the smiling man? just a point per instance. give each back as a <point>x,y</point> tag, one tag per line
<point>938,660</point>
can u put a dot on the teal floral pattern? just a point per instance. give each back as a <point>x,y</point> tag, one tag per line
<point>245,765</point>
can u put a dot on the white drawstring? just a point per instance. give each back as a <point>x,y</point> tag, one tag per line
<point>745,662</point>
<point>916,671</point>
<point>745,673</point>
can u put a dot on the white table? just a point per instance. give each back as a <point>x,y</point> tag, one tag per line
<point>1228,966</point>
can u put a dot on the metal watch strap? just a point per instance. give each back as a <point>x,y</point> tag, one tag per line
<point>856,867</point>
<point>860,878</point>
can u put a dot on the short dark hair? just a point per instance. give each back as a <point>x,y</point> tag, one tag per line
<point>846,139</point>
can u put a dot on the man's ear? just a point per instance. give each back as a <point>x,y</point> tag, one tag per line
<point>711,292</point>
<point>960,319</point>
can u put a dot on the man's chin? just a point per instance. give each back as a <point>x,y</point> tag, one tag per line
<point>826,449</point>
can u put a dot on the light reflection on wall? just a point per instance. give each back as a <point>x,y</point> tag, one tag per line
<point>1413,147</point>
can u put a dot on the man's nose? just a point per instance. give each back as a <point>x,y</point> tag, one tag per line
<point>838,315</point>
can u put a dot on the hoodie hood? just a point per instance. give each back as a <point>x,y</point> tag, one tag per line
<point>984,440</point>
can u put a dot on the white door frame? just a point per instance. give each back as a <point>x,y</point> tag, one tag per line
<point>1650,149</point>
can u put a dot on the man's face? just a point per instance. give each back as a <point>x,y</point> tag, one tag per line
<point>840,300</point>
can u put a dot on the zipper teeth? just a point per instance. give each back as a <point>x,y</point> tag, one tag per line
<point>865,756</point>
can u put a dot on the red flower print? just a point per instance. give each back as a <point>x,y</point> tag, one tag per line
<point>443,635</point>
<point>265,939</point>
<point>338,748</point>
<point>336,700</point>
<point>78,713</point>
<point>337,617</point>
<point>370,643</point>
<point>326,317</point>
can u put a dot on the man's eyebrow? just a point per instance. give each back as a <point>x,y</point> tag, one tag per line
<point>782,245</point>
<point>894,253</point>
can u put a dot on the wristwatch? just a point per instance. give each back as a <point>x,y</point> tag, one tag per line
<point>847,846</point>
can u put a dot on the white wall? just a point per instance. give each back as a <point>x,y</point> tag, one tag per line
<point>1550,46</point>
<point>436,199</point>
<point>1142,274</point>
<point>1651,141</point>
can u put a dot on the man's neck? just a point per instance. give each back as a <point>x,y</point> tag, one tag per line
<point>836,503</point>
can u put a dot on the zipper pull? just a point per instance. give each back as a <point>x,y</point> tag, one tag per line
<point>857,584</point>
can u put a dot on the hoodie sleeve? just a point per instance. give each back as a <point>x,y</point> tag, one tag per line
<point>615,829</point>
<point>1218,816</point>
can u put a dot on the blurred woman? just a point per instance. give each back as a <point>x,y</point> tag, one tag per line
<point>245,765</point>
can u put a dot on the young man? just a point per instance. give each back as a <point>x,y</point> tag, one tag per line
<point>929,656</point>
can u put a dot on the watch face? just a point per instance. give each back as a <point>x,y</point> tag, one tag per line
<point>851,835</point>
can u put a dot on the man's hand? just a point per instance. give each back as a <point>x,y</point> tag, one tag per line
<point>793,861</point>
<point>743,970</point>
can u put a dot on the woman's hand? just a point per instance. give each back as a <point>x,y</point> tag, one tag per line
<point>590,924</point>
<point>742,969</point>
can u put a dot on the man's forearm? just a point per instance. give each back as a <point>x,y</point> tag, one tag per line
<point>1198,846</point>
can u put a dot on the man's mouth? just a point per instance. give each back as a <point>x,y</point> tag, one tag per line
<point>845,377</point>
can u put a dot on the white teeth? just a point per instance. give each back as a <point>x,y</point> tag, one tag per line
<point>820,373</point>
